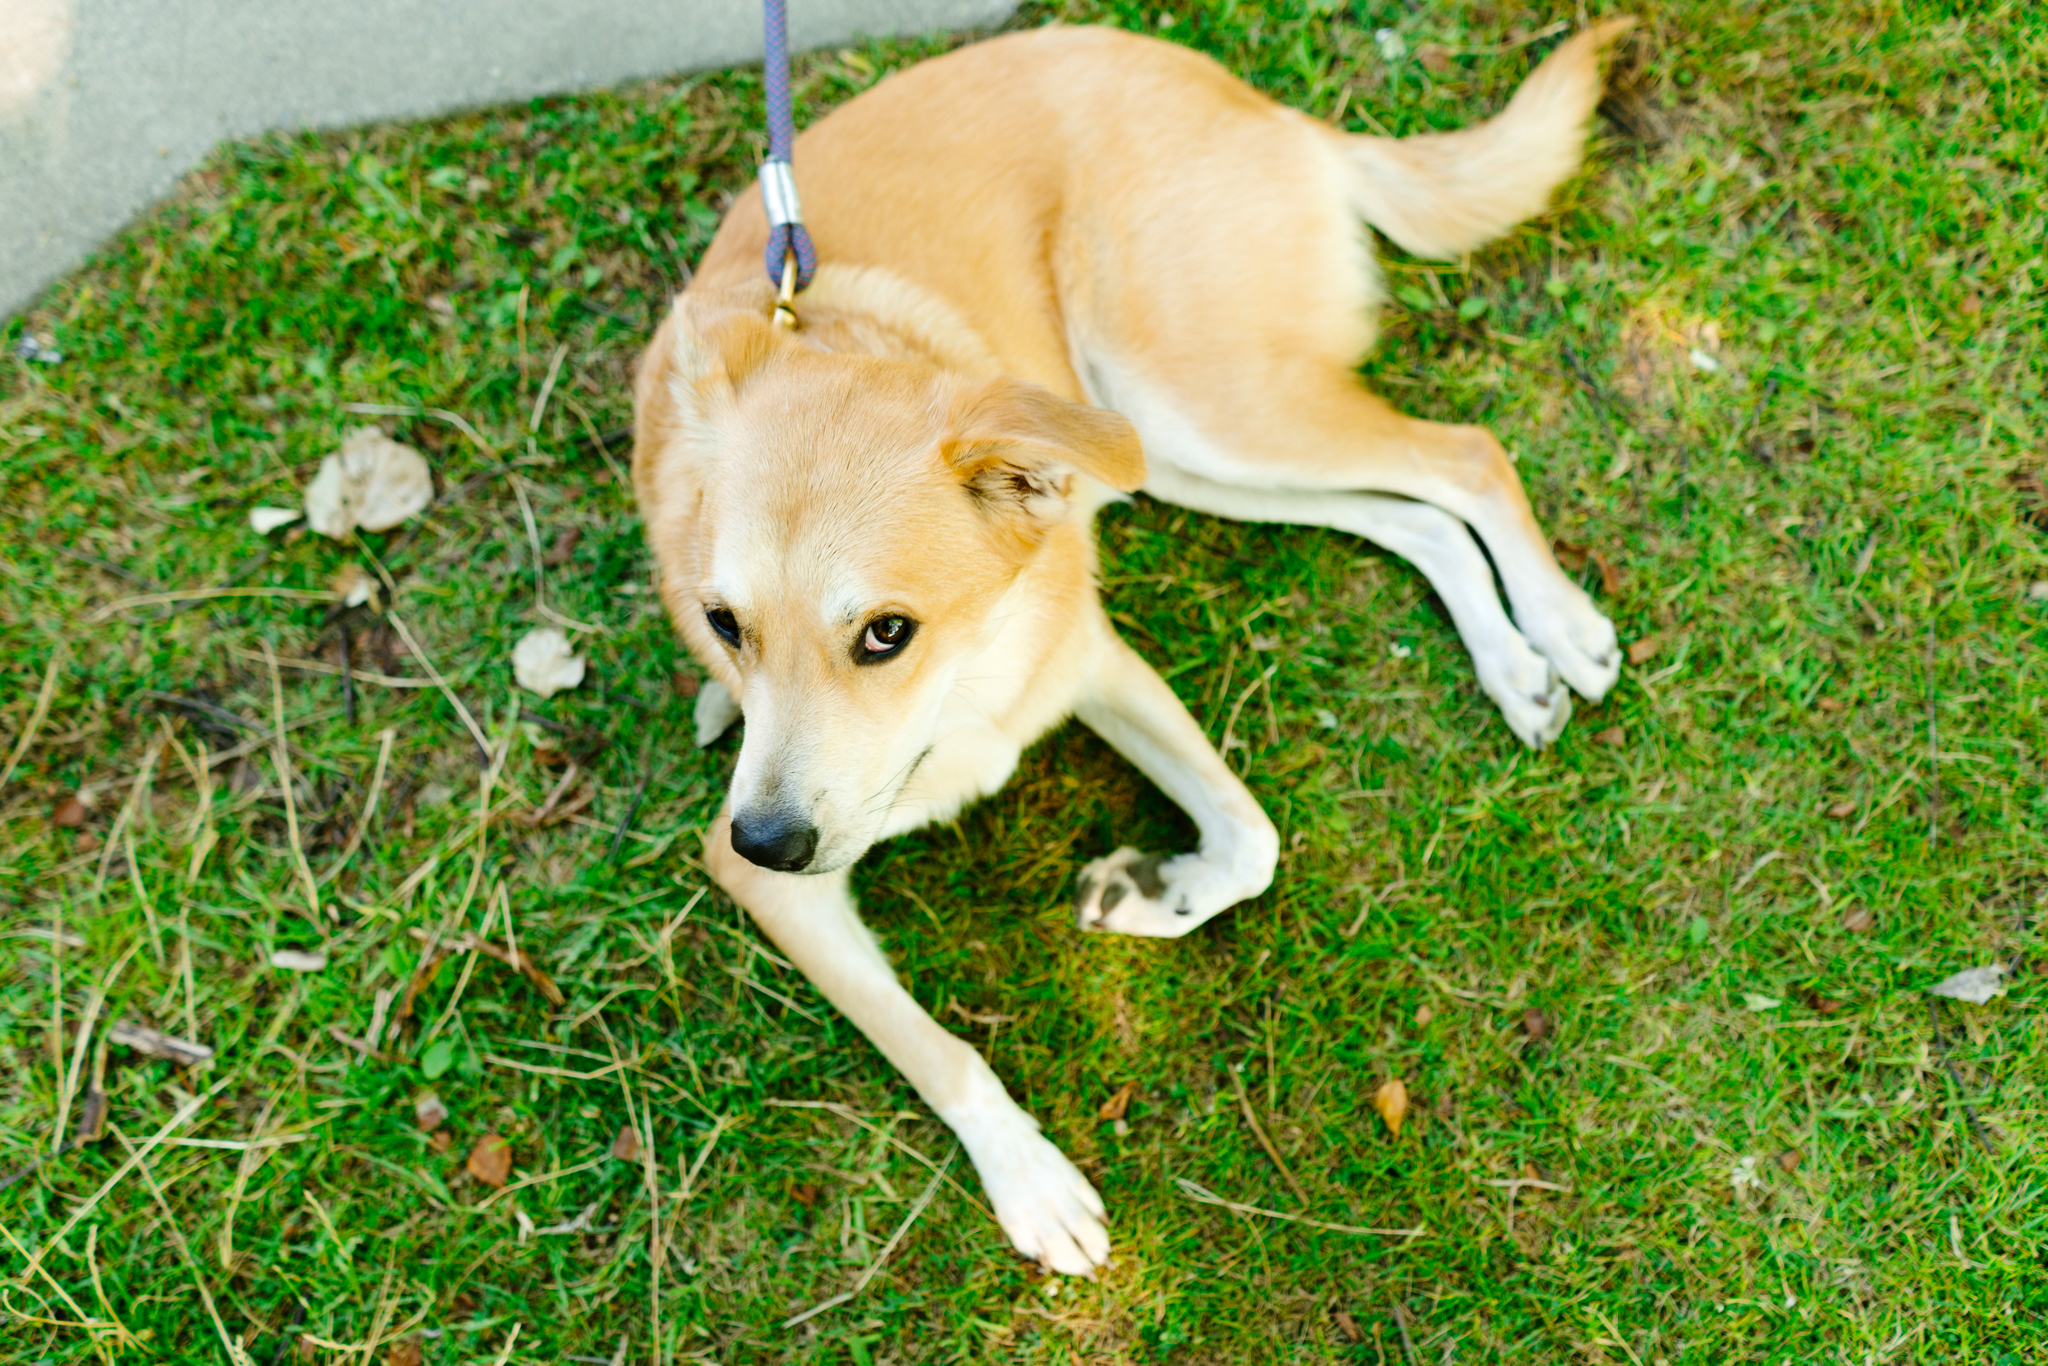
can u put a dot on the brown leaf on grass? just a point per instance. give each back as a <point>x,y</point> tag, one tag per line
<point>1821,1005</point>
<point>92,1117</point>
<point>1348,1326</point>
<point>490,1161</point>
<point>440,1141</point>
<point>1644,650</point>
<point>150,1043</point>
<point>1832,704</point>
<point>428,1112</point>
<point>1613,736</point>
<point>626,1147</point>
<point>1790,1159</point>
<point>1610,576</point>
<point>403,1353</point>
<point>1391,1100</point>
<point>70,813</point>
<point>1423,1015</point>
<point>1114,1107</point>
<point>1570,554</point>
<point>564,546</point>
<point>805,1195</point>
<point>1857,920</point>
<point>1841,810</point>
<point>687,683</point>
<point>1535,1024</point>
<point>1972,305</point>
<point>1436,60</point>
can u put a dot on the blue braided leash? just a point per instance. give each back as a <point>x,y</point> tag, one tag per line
<point>788,244</point>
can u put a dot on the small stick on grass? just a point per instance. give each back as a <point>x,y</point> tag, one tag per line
<point>1244,1099</point>
<point>280,757</point>
<point>85,1025</point>
<point>1407,1343</point>
<point>477,732</point>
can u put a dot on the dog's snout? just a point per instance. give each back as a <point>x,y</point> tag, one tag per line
<point>784,841</point>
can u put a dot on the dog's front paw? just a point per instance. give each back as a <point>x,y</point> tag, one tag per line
<point>1051,1213</point>
<point>1580,643</point>
<point>1531,697</point>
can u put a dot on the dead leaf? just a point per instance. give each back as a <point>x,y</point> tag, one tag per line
<point>405,1352</point>
<point>372,482</point>
<point>183,1052</point>
<point>264,520</point>
<point>1535,1024</point>
<point>1570,554</point>
<point>292,960</point>
<point>1790,1159</point>
<point>92,1117</point>
<point>805,1195</point>
<point>1857,920</point>
<point>626,1147</point>
<point>490,1161</point>
<point>87,842</point>
<point>564,546</point>
<point>1423,1015</point>
<point>1644,650</point>
<point>441,1140</point>
<point>1613,735</point>
<point>1116,1105</point>
<point>545,663</point>
<point>1832,704</point>
<point>1975,985</point>
<point>1972,305</point>
<point>1841,810</point>
<point>1391,1100</point>
<point>354,586</point>
<point>1436,60</point>
<point>1821,1005</point>
<point>1610,576</point>
<point>70,813</point>
<point>687,683</point>
<point>429,1112</point>
<point>1348,1326</point>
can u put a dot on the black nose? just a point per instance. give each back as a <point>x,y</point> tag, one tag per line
<point>781,840</point>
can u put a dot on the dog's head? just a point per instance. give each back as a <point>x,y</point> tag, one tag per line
<point>839,535</point>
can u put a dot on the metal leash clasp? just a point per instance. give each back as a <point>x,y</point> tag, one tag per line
<point>785,298</point>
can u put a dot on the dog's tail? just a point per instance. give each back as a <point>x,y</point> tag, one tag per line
<point>1442,194</point>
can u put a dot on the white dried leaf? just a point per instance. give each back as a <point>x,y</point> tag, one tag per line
<point>291,960</point>
<point>1975,985</point>
<point>355,586</point>
<point>372,482</point>
<point>1702,361</point>
<point>2038,590</point>
<point>1743,1173</point>
<point>266,520</point>
<point>544,663</point>
<point>1758,1002</point>
<point>1392,46</point>
<point>715,712</point>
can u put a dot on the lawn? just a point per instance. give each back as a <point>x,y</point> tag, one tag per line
<point>1774,371</point>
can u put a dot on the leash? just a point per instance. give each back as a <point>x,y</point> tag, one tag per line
<point>790,258</point>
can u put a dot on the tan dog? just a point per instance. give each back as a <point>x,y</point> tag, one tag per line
<point>875,531</point>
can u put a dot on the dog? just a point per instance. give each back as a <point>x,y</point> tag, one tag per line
<point>1060,267</point>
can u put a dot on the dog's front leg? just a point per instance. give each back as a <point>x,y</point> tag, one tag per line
<point>1046,1206</point>
<point>1129,705</point>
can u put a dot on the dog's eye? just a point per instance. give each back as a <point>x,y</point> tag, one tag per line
<point>727,625</point>
<point>884,637</point>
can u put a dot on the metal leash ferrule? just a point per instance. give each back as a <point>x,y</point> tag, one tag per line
<point>778,195</point>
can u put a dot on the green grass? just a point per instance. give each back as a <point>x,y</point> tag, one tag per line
<point>1842,204</point>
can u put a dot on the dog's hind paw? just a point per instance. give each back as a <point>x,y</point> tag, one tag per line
<point>1532,698</point>
<point>1580,643</point>
<point>1133,893</point>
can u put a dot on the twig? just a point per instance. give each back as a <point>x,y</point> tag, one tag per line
<point>632,807</point>
<point>86,1021</point>
<point>310,666</point>
<point>1203,1196</point>
<point>281,757</point>
<point>207,594</point>
<point>454,420</point>
<point>36,716</point>
<point>1401,1322</point>
<point>1244,1099</point>
<point>476,731</point>
<point>348,679</point>
<point>931,1189</point>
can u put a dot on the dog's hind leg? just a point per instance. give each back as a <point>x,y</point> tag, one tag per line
<point>1046,1206</point>
<point>1129,705</point>
<point>1520,680</point>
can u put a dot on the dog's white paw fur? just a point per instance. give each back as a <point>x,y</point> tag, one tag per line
<point>1577,639</point>
<point>1523,684</point>
<point>1051,1213</point>
<point>1153,895</point>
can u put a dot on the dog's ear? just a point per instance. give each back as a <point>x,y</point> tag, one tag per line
<point>705,350</point>
<point>1017,447</point>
